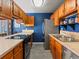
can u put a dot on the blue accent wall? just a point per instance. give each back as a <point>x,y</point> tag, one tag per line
<point>38,33</point>
<point>39,18</point>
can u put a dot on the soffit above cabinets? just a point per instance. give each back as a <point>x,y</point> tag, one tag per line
<point>49,6</point>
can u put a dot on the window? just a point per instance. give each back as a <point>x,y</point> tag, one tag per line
<point>16,25</point>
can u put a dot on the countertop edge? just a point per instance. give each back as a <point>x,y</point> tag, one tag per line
<point>65,45</point>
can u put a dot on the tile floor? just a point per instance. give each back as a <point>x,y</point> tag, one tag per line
<point>38,52</point>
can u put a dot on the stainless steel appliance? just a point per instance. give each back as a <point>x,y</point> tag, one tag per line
<point>66,53</point>
<point>48,28</point>
<point>74,56</point>
<point>26,46</point>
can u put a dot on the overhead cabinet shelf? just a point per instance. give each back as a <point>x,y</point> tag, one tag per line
<point>67,8</point>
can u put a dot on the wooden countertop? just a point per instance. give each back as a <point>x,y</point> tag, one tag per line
<point>72,46</point>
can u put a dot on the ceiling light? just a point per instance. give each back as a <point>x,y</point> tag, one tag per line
<point>38,3</point>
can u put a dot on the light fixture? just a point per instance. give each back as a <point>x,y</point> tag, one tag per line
<point>38,3</point>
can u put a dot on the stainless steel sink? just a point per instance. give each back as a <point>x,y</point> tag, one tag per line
<point>65,38</point>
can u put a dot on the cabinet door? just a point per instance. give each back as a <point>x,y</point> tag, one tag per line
<point>56,18</point>
<point>21,14</point>
<point>19,55</point>
<point>61,10</point>
<point>31,20</point>
<point>70,6</point>
<point>52,46</point>
<point>18,51</point>
<point>0,5</point>
<point>15,10</point>
<point>78,6</point>
<point>58,50</point>
<point>8,56</point>
<point>7,8</point>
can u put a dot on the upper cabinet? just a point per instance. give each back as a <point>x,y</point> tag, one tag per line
<point>15,10</point>
<point>18,12</point>
<point>52,17</point>
<point>70,6</point>
<point>6,8</point>
<point>0,5</point>
<point>29,20</point>
<point>62,10</point>
<point>78,6</point>
<point>56,18</point>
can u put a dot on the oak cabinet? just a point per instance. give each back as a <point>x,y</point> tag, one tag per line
<point>19,55</point>
<point>6,8</point>
<point>61,10</point>
<point>21,13</point>
<point>29,20</point>
<point>56,48</point>
<point>0,5</point>
<point>52,47</point>
<point>16,53</point>
<point>70,6</point>
<point>56,18</point>
<point>8,56</point>
<point>25,19</point>
<point>78,6</point>
<point>15,10</point>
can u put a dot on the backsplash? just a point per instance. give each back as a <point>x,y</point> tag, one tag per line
<point>72,34</point>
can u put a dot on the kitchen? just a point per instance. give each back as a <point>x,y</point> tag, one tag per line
<point>32,29</point>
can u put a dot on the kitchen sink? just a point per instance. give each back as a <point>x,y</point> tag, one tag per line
<point>64,38</point>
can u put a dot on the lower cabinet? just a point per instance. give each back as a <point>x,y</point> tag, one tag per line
<point>52,47</point>
<point>16,53</point>
<point>73,56</point>
<point>56,48</point>
<point>19,55</point>
<point>9,55</point>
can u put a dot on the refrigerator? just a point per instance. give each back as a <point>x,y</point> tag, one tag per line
<point>48,28</point>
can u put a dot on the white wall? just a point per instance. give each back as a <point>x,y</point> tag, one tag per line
<point>50,6</point>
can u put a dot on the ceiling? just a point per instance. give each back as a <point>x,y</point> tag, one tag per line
<point>48,7</point>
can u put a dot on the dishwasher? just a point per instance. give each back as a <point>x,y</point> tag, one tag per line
<point>26,46</point>
<point>66,53</point>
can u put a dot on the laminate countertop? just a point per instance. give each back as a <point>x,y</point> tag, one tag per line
<point>6,45</point>
<point>72,46</point>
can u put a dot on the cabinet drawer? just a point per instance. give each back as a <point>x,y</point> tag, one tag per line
<point>8,56</point>
<point>18,47</point>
